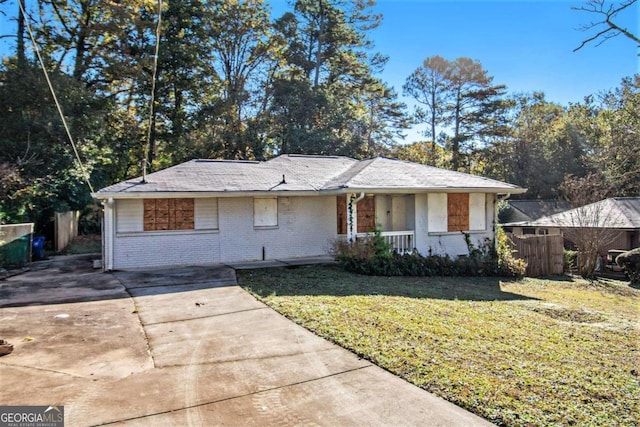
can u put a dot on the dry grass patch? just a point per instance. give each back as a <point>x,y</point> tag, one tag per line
<point>532,352</point>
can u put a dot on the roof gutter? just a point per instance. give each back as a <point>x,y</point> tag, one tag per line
<point>413,190</point>
<point>293,193</point>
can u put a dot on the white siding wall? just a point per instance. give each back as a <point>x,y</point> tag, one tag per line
<point>306,227</point>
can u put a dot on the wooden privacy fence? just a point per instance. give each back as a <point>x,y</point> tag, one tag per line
<point>66,228</point>
<point>543,254</point>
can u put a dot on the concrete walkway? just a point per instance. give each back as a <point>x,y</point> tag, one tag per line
<point>187,347</point>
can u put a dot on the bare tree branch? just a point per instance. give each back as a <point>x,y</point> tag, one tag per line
<point>609,19</point>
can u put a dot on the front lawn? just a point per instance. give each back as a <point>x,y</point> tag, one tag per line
<point>518,353</point>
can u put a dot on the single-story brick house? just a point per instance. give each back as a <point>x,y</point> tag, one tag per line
<point>212,211</point>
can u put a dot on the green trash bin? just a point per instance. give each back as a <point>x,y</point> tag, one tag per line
<point>16,252</point>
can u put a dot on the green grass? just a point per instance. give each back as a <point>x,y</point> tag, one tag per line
<point>518,353</point>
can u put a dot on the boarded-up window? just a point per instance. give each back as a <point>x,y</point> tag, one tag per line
<point>366,209</point>
<point>366,215</point>
<point>168,214</point>
<point>265,212</point>
<point>341,208</point>
<point>457,211</point>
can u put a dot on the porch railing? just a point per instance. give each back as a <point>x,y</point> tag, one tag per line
<point>400,241</point>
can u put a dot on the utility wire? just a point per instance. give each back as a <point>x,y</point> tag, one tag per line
<point>154,71</point>
<point>55,99</point>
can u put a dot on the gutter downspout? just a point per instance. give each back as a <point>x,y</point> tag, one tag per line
<point>352,216</point>
<point>108,235</point>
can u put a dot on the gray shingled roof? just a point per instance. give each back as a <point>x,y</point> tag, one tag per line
<point>298,173</point>
<point>392,174</point>
<point>530,210</point>
<point>617,212</point>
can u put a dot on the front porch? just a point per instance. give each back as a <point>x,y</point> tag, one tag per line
<point>360,215</point>
<point>400,241</point>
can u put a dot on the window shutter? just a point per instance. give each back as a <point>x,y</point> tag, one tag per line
<point>458,212</point>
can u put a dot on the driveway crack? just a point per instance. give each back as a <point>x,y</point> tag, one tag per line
<point>205,317</point>
<point>137,313</point>
<point>226,399</point>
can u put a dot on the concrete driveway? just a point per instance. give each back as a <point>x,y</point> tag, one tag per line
<point>186,347</point>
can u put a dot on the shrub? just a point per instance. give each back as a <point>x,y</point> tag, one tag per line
<point>630,263</point>
<point>508,264</point>
<point>570,260</point>
<point>373,256</point>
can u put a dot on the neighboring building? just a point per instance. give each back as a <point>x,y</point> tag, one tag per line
<point>619,217</point>
<point>211,211</point>
<point>521,213</point>
<point>530,210</point>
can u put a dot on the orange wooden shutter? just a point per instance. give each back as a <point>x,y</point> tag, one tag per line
<point>458,211</point>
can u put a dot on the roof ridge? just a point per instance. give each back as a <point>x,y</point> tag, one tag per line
<point>224,161</point>
<point>359,164</point>
<point>315,156</point>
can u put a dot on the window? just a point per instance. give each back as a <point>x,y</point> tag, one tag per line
<point>129,216</point>
<point>265,212</point>
<point>477,211</point>
<point>457,212</point>
<point>454,212</point>
<point>206,213</point>
<point>168,214</point>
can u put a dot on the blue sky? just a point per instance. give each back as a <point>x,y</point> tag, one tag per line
<point>526,45</point>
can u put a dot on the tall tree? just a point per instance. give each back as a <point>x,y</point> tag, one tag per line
<point>328,82</point>
<point>610,125</point>
<point>460,97</point>
<point>40,173</point>
<point>185,79</point>
<point>543,138</point>
<point>241,41</point>
<point>475,105</point>
<point>428,85</point>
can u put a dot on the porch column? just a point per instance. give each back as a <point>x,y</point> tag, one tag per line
<point>352,215</point>
<point>108,231</point>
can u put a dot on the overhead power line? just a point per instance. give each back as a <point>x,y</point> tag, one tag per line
<point>55,99</point>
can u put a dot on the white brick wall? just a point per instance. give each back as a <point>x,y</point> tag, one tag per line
<point>430,213</point>
<point>306,227</point>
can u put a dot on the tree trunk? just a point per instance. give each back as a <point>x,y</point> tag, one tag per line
<point>455,143</point>
<point>22,59</point>
<point>316,79</point>
<point>433,125</point>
